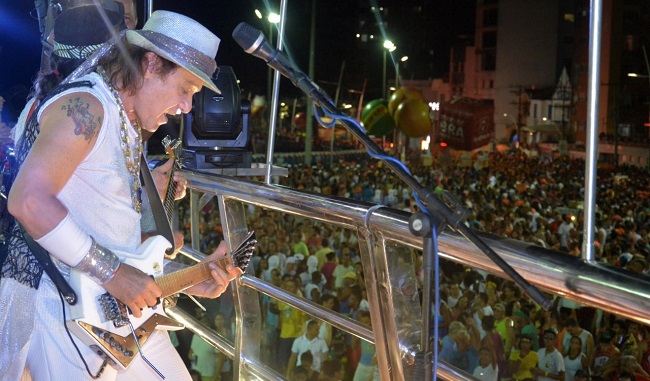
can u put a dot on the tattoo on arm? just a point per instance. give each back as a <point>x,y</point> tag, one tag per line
<point>85,123</point>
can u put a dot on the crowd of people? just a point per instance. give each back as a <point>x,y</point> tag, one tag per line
<point>487,327</point>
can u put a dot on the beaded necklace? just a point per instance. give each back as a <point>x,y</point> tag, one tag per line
<point>131,155</point>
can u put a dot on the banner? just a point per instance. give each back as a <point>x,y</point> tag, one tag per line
<point>466,123</point>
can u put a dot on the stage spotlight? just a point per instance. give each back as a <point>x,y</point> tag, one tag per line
<point>217,131</point>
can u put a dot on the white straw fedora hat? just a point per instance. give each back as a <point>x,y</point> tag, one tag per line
<point>181,40</point>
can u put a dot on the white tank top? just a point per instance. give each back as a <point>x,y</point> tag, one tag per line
<point>98,195</point>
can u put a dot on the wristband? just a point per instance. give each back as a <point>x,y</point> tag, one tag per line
<point>100,264</point>
<point>67,242</point>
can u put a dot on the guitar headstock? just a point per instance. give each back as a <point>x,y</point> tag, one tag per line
<point>171,146</point>
<point>242,255</point>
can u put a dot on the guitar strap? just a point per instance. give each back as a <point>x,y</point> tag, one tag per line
<point>45,260</point>
<point>160,217</point>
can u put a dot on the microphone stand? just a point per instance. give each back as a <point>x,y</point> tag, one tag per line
<point>421,224</point>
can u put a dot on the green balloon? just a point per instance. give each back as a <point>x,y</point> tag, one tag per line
<point>376,119</point>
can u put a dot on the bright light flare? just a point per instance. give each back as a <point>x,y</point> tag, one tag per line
<point>424,144</point>
<point>274,18</point>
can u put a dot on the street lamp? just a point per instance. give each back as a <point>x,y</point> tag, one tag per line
<point>635,75</point>
<point>388,47</point>
<point>397,81</point>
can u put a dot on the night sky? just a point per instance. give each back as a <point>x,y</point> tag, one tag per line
<point>425,37</point>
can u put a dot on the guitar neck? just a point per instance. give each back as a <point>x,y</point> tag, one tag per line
<point>170,195</point>
<point>183,279</point>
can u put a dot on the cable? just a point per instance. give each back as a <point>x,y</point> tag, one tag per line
<point>436,258</point>
<point>102,367</point>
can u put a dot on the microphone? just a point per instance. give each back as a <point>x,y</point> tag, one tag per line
<point>254,42</point>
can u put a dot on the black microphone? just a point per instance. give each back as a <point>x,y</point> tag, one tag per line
<point>254,42</point>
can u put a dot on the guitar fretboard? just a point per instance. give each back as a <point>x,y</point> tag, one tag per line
<point>183,279</point>
<point>169,202</point>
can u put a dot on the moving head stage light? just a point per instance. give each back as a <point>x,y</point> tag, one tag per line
<point>217,131</point>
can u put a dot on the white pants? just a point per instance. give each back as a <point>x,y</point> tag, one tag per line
<point>47,352</point>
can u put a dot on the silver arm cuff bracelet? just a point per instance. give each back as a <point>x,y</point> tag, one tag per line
<point>100,264</point>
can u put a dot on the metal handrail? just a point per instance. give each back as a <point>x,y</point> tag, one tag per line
<point>612,289</point>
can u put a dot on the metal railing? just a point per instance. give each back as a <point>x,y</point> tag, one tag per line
<point>385,245</point>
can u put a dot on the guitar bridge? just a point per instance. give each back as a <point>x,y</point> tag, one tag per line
<point>114,310</point>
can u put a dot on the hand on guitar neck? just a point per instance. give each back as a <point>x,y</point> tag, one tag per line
<point>222,271</point>
<point>137,290</point>
<point>161,178</point>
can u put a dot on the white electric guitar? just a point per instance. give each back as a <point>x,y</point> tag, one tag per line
<point>107,326</point>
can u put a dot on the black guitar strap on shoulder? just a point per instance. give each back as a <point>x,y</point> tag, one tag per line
<point>44,259</point>
<point>160,217</point>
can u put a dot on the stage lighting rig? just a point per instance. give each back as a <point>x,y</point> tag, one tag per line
<point>217,130</point>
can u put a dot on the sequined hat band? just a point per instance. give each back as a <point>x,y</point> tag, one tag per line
<point>74,52</point>
<point>184,53</point>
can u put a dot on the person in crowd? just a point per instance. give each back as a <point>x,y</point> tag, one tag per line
<point>550,364</point>
<point>326,330</point>
<point>461,307</point>
<point>627,365</point>
<point>480,309</point>
<point>308,342</point>
<point>525,326</point>
<point>572,328</point>
<point>130,13</point>
<point>313,289</point>
<point>487,369</point>
<point>504,325</point>
<point>328,271</point>
<point>271,322</point>
<point>321,254</point>
<point>367,369</point>
<point>299,245</point>
<point>454,295</point>
<point>292,322</point>
<point>523,360</point>
<point>356,302</point>
<point>460,347</point>
<point>306,361</point>
<point>467,347</point>
<point>82,129</point>
<point>343,268</point>
<point>574,359</point>
<point>606,354</point>
<point>449,342</point>
<point>493,341</point>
